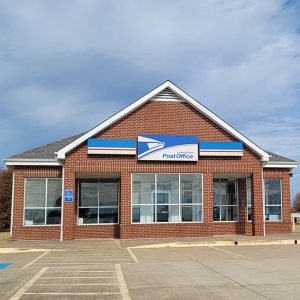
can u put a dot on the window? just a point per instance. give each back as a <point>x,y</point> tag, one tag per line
<point>42,201</point>
<point>225,200</point>
<point>273,199</point>
<point>249,199</point>
<point>166,198</point>
<point>98,201</point>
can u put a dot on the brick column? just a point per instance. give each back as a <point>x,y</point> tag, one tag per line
<point>69,213</point>
<point>242,200</point>
<point>257,203</point>
<point>125,206</point>
<point>208,203</point>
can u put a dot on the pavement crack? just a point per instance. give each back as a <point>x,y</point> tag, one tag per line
<point>223,275</point>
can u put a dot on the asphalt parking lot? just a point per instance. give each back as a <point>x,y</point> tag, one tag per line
<point>106,269</point>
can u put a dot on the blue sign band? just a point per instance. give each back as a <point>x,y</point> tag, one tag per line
<point>221,146</point>
<point>106,143</point>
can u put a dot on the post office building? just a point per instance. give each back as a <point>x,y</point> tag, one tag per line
<point>164,166</point>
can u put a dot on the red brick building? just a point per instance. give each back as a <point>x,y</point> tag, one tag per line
<point>165,166</point>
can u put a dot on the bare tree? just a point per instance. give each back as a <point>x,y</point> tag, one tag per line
<point>296,203</point>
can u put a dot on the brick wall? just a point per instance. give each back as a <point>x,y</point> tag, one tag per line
<point>167,118</point>
<point>283,226</point>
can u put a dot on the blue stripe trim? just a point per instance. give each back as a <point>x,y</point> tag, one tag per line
<point>107,143</point>
<point>5,265</point>
<point>221,146</point>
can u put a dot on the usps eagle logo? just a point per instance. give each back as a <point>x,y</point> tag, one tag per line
<point>148,145</point>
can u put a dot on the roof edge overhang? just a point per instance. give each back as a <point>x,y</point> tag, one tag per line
<point>281,164</point>
<point>61,154</point>
<point>32,162</point>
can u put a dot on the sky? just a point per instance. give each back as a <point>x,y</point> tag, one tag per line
<point>65,66</point>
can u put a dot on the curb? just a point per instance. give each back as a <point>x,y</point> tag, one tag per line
<point>218,244</point>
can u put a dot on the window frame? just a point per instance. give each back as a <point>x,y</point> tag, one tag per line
<point>179,204</point>
<point>46,200</point>
<point>249,185</point>
<point>98,206</point>
<point>220,205</point>
<point>265,196</point>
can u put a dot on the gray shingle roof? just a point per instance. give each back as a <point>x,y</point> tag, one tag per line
<point>278,158</point>
<point>46,151</point>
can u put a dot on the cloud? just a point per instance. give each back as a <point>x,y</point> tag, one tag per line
<point>67,65</point>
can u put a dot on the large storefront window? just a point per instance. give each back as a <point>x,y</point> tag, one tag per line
<point>166,198</point>
<point>273,199</point>
<point>225,200</point>
<point>98,201</point>
<point>42,201</point>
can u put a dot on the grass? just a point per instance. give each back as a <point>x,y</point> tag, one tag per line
<point>4,237</point>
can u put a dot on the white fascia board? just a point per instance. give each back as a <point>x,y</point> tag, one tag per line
<point>61,154</point>
<point>288,165</point>
<point>31,162</point>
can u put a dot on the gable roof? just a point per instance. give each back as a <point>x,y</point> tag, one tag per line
<point>61,154</point>
<point>52,153</point>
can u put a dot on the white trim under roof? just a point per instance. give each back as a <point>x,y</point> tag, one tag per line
<point>31,162</point>
<point>281,164</point>
<point>61,154</point>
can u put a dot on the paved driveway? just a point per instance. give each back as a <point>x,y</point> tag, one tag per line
<point>106,269</point>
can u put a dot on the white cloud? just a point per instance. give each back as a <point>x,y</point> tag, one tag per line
<point>64,62</point>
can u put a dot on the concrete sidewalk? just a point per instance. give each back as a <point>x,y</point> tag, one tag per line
<point>224,240</point>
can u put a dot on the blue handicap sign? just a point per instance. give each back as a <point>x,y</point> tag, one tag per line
<point>68,195</point>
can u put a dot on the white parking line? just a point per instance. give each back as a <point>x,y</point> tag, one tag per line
<point>71,263</point>
<point>82,294</point>
<point>228,252</point>
<point>25,287</point>
<point>132,255</point>
<point>104,259</point>
<point>122,283</point>
<point>76,267</point>
<point>79,277</point>
<point>90,271</point>
<point>35,260</point>
<point>76,284</point>
<point>93,255</point>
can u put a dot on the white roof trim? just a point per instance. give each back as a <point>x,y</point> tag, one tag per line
<point>61,154</point>
<point>279,164</point>
<point>31,162</point>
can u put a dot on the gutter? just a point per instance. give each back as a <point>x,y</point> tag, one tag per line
<point>281,164</point>
<point>31,162</point>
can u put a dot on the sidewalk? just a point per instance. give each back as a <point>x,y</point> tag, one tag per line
<point>224,240</point>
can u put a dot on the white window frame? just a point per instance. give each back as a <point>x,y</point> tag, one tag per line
<point>46,200</point>
<point>237,203</point>
<point>179,204</point>
<point>265,197</point>
<point>98,206</point>
<point>249,186</point>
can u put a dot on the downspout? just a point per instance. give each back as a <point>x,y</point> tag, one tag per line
<point>12,203</point>
<point>263,199</point>
<point>62,203</point>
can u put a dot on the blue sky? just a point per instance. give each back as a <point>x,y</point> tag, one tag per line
<point>67,65</point>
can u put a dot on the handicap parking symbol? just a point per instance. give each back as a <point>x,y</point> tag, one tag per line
<point>68,195</point>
